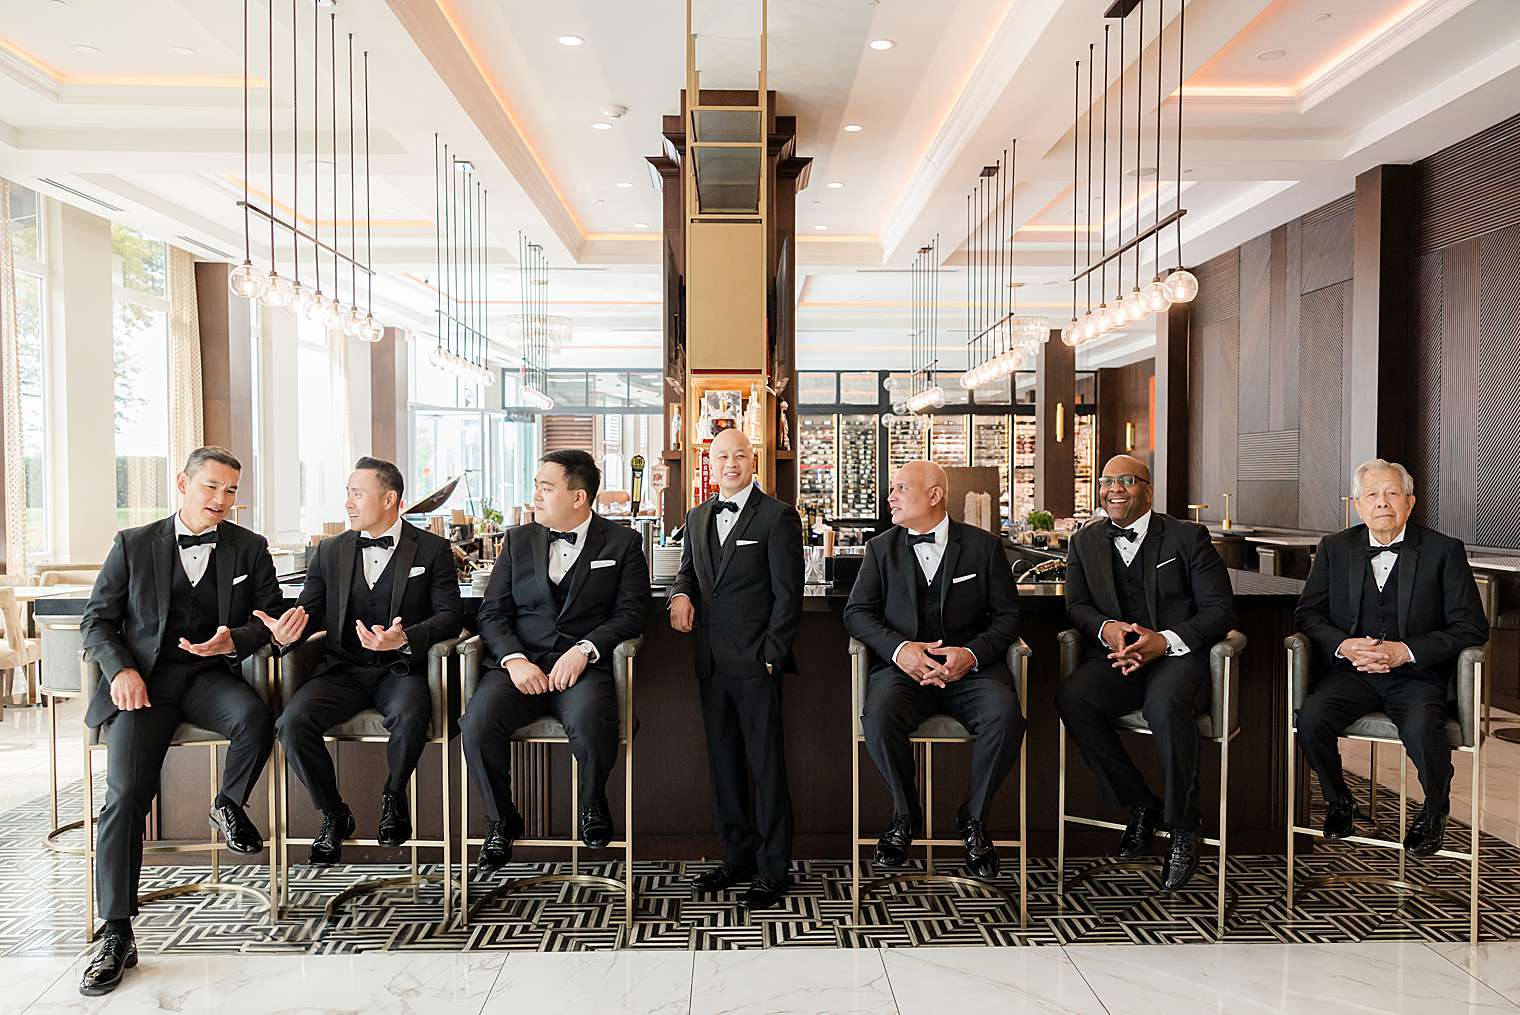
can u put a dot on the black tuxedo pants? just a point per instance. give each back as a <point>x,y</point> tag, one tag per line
<point>742,717</point>
<point>136,744</point>
<point>1415,701</point>
<point>896,705</point>
<point>1170,692</point>
<point>588,710</point>
<point>335,696</point>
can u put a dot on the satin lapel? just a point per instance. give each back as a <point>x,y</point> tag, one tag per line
<point>741,525</point>
<point>538,545</point>
<point>406,551</point>
<point>1150,556</point>
<point>164,549</point>
<point>1408,568</point>
<point>1103,564</point>
<point>702,522</point>
<point>338,591</point>
<point>1357,565</point>
<point>947,562</point>
<point>904,563</point>
<point>596,538</point>
<point>226,564</point>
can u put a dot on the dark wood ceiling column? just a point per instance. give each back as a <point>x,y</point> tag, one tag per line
<point>1169,471</point>
<point>1381,355</point>
<point>1055,389</point>
<point>226,372</point>
<point>389,432</point>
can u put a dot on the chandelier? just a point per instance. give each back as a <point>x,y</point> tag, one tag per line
<point>461,268</point>
<point>537,331</point>
<point>923,394</point>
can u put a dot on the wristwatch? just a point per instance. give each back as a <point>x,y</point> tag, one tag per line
<point>586,649</point>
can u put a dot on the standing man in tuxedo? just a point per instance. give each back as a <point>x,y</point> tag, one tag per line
<point>936,606</point>
<point>1390,606</point>
<point>169,621</point>
<point>740,587</point>
<point>566,589</point>
<point>1150,596</point>
<point>385,592</point>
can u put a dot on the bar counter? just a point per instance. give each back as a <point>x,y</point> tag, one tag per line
<point>672,815</point>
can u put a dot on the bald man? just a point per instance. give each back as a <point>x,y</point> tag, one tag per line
<point>936,606</point>
<point>1150,596</point>
<point>740,589</point>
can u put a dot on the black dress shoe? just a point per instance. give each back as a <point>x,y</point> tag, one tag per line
<point>596,825</point>
<point>1182,861</point>
<point>395,821</point>
<point>496,850</point>
<point>725,875</point>
<point>1426,836</point>
<point>892,848</point>
<point>764,892</point>
<point>232,821</point>
<point>118,953</point>
<point>327,847</point>
<point>1340,818</point>
<point>981,855</point>
<point>1138,834</point>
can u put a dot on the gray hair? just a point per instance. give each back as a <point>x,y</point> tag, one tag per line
<point>210,453</point>
<point>1380,465</point>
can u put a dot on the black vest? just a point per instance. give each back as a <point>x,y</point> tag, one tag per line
<point>1129,583</point>
<point>931,621</point>
<point>371,606</point>
<point>1380,610</point>
<point>192,609</point>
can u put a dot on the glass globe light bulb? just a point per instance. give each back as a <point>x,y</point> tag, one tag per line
<point>247,281</point>
<point>1182,286</point>
<point>332,313</point>
<point>1155,297</point>
<point>373,329</point>
<point>353,323</point>
<point>316,307</point>
<point>277,291</point>
<point>435,358</point>
<point>1103,320</point>
<point>300,298</point>
<point>1135,303</point>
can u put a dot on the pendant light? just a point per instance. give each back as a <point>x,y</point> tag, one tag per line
<point>300,296</point>
<point>1155,295</point>
<point>1181,284</point>
<point>1134,302</point>
<point>245,280</point>
<point>1103,321</point>
<point>333,312</point>
<point>1070,332</point>
<point>373,330</point>
<point>353,319</point>
<point>277,292</point>
<point>1089,329</point>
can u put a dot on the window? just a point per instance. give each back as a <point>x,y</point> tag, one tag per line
<point>324,476</point>
<point>448,444</point>
<point>140,319</point>
<point>31,350</point>
<point>26,231</point>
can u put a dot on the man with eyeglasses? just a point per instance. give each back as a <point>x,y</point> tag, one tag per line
<point>1150,596</point>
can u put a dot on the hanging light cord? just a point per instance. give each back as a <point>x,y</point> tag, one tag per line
<point>369,242</point>
<point>1181,50</point>
<point>295,145</point>
<point>247,246</point>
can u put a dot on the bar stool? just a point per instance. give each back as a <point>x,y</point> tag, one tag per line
<point>1463,732</point>
<point>549,730</point>
<point>368,726</point>
<point>1219,725</point>
<point>58,682</point>
<point>259,674</point>
<point>17,651</point>
<point>937,729</point>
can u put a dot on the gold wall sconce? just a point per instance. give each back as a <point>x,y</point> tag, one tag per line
<point>1060,422</point>
<point>1129,435</point>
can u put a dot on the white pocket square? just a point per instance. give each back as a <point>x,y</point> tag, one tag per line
<point>602,563</point>
<point>240,578</point>
<point>748,542</point>
<point>1164,563</point>
<point>414,572</point>
<point>962,578</point>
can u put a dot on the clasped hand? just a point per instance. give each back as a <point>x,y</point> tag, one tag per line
<point>933,663</point>
<point>1127,658</point>
<point>529,679</point>
<point>1369,655</point>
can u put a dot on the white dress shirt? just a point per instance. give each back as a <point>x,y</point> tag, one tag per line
<point>724,520</point>
<point>562,557</point>
<point>1382,563</point>
<point>930,555</point>
<point>375,557</point>
<point>193,558</point>
<point>1128,550</point>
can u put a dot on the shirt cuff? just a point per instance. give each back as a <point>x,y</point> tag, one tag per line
<point>511,656</point>
<point>976,663</point>
<point>591,652</point>
<point>895,651</point>
<point>672,600</point>
<point>1100,631</point>
<point>1178,647</point>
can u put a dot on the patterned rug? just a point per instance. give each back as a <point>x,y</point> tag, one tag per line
<point>41,906</point>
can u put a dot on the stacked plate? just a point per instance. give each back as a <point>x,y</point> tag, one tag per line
<point>480,579</point>
<point>666,564</point>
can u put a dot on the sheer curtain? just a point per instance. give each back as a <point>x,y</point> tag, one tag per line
<point>10,397</point>
<point>186,417</point>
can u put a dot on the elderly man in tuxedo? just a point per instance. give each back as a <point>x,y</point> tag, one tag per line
<point>1389,605</point>
<point>169,620</point>
<point>936,606</point>
<point>1150,596</point>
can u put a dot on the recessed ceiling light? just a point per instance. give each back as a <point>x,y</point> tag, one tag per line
<point>836,185</point>
<point>624,185</point>
<point>853,128</point>
<point>601,125</point>
<point>822,229</point>
<point>570,40</point>
<point>86,50</point>
<point>881,45</point>
<point>181,50</point>
<point>1326,16</point>
<point>641,225</point>
<point>1272,54</point>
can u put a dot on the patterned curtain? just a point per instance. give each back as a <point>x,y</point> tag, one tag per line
<point>186,419</point>
<point>10,397</point>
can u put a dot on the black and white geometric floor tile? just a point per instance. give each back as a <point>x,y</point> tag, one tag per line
<point>41,907</point>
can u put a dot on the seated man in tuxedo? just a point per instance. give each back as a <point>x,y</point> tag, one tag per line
<point>385,592</point>
<point>566,589</point>
<point>740,587</point>
<point>1150,596</point>
<point>1390,606</point>
<point>168,622</point>
<point>936,606</point>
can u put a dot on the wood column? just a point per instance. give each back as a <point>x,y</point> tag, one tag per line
<point>226,372</point>
<point>1055,389</point>
<point>1381,356</point>
<point>1124,399</point>
<point>390,436</point>
<point>1169,470</point>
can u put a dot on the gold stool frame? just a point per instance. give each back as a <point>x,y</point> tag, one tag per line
<point>1018,665</point>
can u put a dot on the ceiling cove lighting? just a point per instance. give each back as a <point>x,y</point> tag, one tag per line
<point>571,40</point>
<point>853,128</point>
<point>882,45</point>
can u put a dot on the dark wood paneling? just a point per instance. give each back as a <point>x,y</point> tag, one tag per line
<point>1321,469</point>
<point>1218,289</point>
<point>1425,412</point>
<point>1267,502</point>
<point>1470,188</point>
<point>1124,396</point>
<point>1174,438</point>
<point>1326,251</point>
<point>1381,327</point>
<point>1343,205</point>
<point>1055,382</point>
<point>1256,378</point>
<point>1214,364</point>
<point>1456,472</point>
<point>1498,457</point>
<point>1282,363</point>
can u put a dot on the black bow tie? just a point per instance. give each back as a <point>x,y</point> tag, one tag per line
<point>1114,532</point>
<point>927,537</point>
<point>209,536</point>
<point>1374,551</point>
<point>726,505</point>
<point>382,542</point>
<point>569,537</point>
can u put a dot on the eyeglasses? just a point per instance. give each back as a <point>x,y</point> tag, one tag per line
<point>1126,481</point>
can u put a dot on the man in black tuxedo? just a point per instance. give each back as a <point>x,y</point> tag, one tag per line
<point>566,589</point>
<point>385,592</point>
<point>740,586</point>
<point>936,606</point>
<point>168,622</point>
<point>1150,596</point>
<point>1390,606</point>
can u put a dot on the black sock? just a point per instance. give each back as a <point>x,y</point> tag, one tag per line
<point>122,926</point>
<point>337,810</point>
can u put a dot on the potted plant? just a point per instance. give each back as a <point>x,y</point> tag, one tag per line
<point>1040,523</point>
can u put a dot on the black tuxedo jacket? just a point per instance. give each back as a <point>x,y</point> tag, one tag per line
<point>749,600</point>
<point>603,595</point>
<point>123,624</point>
<point>427,602</point>
<point>1440,613</point>
<point>1186,585</point>
<point>978,601</point>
